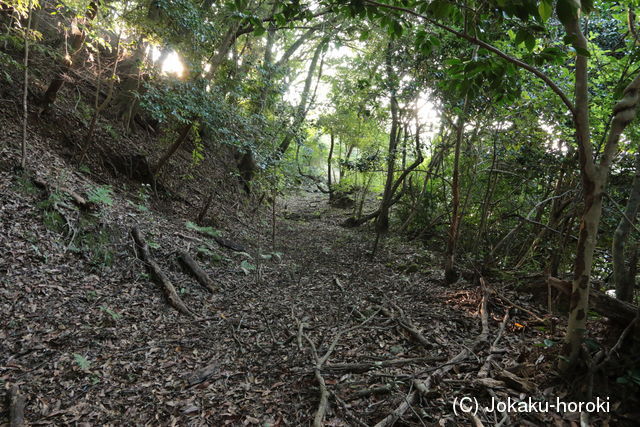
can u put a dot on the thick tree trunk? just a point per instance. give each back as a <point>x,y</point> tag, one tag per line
<point>450,273</point>
<point>76,41</point>
<point>622,277</point>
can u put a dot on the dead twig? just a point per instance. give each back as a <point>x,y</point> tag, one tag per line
<point>142,250</point>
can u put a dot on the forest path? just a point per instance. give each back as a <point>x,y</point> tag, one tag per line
<point>99,344</point>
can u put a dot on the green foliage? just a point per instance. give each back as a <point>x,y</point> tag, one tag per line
<point>82,362</point>
<point>247,267</point>
<point>100,195</point>
<point>204,230</point>
<point>114,316</point>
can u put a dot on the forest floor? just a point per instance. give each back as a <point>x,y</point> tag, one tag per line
<point>88,338</point>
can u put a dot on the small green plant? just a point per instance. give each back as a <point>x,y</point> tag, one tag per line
<point>53,221</point>
<point>82,361</point>
<point>247,267</point>
<point>113,133</point>
<point>271,255</point>
<point>153,245</point>
<point>144,194</point>
<point>84,169</point>
<point>632,377</point>
<point>113,314</point>
<point>204,230</point>
<point>100,195</point>
<point>25,185</point>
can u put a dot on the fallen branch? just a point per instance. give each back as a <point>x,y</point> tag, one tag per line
<point>373,391</point>
<point>618,311</point>
<point>484,371</point>
<point>406,324</point>
<point>424,387</point>
<point>16,407</point>
<point>143,253</point>
<point>378,364</point>
<point>229,244</point>
<point>192,267</point>
<point>77,199</point>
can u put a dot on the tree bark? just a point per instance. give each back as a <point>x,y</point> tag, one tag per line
<point>25,110</point>
<point>301,110</point>
<point>382,222</point>
<point>329,171</point>
<point>182,137</point>
<point>621,273</point>
<point>450,273</point>
<point>594,180</point>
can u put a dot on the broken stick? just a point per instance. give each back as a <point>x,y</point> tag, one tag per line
<point>192,267</point>
<point>142,250</point>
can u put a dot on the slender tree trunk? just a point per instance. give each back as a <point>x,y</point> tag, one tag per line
<point>182,137</point>
<point>78,36</point>
<point>622,277</point>
<point>329,171</point>
<point>450,273</point>
<point>382,222</point>
<point>99,107</point>
<point>301,110</point>
<point>25,92</point>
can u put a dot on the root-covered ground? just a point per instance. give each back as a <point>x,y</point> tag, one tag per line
<point>89,338</point>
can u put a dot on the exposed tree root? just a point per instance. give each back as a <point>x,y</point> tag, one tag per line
<point>424,386</point>
<point>408,326</point>
<point>367,366</point>
<point>142,250</point>
<point>484,371</point>
<point>319,362</point>
<point>192,267</point>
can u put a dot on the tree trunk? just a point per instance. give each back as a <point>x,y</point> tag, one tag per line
<point>301,111</point>
<point>593,186</point>
<point>594,180</point>
<point>25,110</point>
<point>182,137</point>
<point>382,222</point>
<point>450,273</point>
<point>76,41</point>
<point>329,171</point>
<point>621,274</point>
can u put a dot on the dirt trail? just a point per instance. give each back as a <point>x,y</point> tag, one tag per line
<point>100,345</point>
